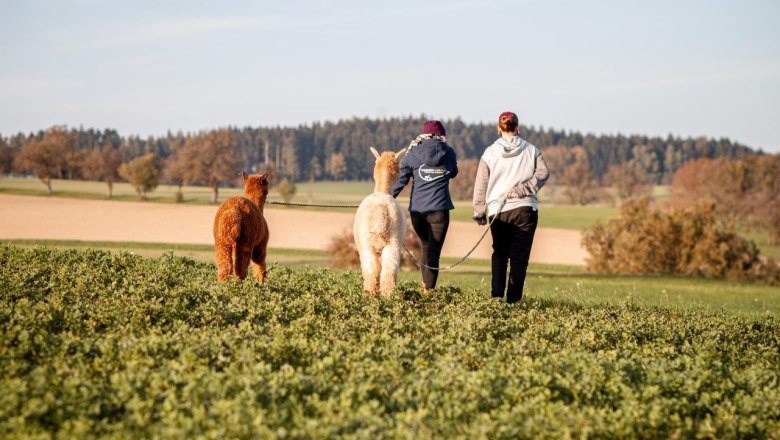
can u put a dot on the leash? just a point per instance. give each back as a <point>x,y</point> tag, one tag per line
<point>308,205</point>
<point>420,263</point>
<point>416,260</point>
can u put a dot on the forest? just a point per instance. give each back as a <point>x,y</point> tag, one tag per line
<point>339,150</point>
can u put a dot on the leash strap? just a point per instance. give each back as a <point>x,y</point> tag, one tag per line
<point>468,254</point>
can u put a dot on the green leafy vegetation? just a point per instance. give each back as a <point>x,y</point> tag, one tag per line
<point>96,344</point>
<point>548,281</point>
<point>200,252</point>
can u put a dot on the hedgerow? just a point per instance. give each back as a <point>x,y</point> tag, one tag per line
<point>102,345</point>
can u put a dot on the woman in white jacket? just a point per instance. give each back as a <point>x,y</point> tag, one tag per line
<point>514,169</point>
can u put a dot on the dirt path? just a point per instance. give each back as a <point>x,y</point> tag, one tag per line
<point>56,218</point>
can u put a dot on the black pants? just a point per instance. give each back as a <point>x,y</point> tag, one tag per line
<point>431,227</point>
<point>513,234</point>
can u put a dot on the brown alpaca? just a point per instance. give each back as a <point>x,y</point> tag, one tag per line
<point>240,231</point>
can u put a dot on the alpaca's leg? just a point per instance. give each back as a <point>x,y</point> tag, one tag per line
<point>224,261</point>
<point>370,265</point>
<point>243,255</point>
<point>258,262</point>
<point>390,265</point>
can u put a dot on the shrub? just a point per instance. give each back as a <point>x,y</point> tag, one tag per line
<point>143,173</point>
<point>342,250</point>
<point>685,242</point>
<point>286,189</point>
<point>344,253</point>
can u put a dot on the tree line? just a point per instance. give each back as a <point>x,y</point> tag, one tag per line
<point>338,150</point>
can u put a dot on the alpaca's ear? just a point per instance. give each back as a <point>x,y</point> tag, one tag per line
<point>374,152</point>
<point>400,153</point>
<point>243,175</point>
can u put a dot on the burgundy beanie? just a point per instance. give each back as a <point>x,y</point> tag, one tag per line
<point>434,127</point>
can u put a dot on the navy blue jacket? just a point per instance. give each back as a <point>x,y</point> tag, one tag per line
<point>432,163</point>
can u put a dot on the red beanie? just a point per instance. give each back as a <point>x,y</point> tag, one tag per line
<point>434,127</point>
<point>508,122</point>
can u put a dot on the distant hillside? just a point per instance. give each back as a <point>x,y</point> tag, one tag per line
<point>304,152</point>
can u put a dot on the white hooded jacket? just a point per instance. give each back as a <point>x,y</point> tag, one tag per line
<point>513,167</point>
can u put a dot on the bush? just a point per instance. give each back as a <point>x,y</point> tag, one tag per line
<point>286,189</point>
<point>343,252</point>
<point>685,242</point>
<point>143,173</point>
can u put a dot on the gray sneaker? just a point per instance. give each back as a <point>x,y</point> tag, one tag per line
<point>498,299</point>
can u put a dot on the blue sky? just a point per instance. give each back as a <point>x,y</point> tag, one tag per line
<point>684,67</point>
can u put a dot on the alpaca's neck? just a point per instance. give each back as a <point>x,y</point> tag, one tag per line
<point>384,182</point>
<point>257,200</point>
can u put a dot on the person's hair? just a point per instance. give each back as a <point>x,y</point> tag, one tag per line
<point>507,122</point>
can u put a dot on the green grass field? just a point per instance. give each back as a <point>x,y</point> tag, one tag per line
<point>114,345</point>
<point>326,192</point>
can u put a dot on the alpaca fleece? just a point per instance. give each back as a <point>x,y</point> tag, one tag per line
<point>379,229</point>
<point>241,232</point>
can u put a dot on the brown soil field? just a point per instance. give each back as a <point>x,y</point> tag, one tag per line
<point>56,218</point>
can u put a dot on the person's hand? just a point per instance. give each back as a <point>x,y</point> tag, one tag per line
<point>481,220</point>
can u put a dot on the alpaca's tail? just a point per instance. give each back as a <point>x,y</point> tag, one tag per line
<point>379,224</point>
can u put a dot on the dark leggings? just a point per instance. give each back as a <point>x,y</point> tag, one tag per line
<point>513,234</point>
<point>431,227</point>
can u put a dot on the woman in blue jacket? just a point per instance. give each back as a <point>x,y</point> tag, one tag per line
<point>431,163</point>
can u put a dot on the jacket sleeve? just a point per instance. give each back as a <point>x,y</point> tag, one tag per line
<point>453,164</point>
<point>403,176</point>
<point>480,189</point>
<point>536,182</point>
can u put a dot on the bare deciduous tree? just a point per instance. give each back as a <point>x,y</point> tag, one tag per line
<point>46,157</point>
<point>462,186</point>
<point>337,166</point>
<point>181,168</point>
<point>742,190</point>
<point>217,161</point>
<point>629,181</point>
<point>580,186</point>
<point>102,164</point>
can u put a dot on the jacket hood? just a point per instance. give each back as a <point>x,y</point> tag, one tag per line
<point>511,147</point>
<point>431,152</point>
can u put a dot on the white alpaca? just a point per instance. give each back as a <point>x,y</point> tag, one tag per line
<point>379,229</point>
